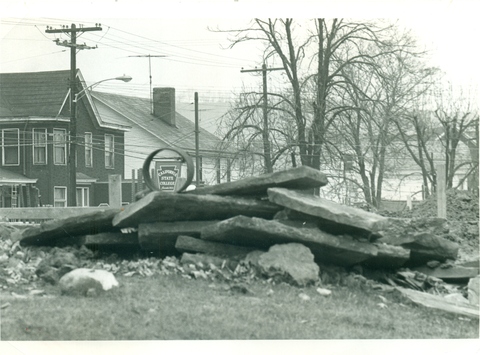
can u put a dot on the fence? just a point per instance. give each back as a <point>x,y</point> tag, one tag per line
<point>39,214</point>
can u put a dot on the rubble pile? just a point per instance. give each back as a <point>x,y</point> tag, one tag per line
<point>225,231</point>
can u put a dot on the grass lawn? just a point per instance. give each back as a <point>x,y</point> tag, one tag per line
<point>174,308</point>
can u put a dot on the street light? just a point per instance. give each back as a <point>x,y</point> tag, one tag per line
<point>72,157</point>
<point>124,78</point>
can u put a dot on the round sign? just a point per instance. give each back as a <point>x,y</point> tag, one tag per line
<point>186,158</point>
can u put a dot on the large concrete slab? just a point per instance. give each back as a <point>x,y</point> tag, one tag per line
<point>301,178</point>
<point>426,247</point>
<point>190,244</point>
<point>166,207</point>
<point>331,216</point>
<point>111,240</point>
<point>451,273</point>
<point>440,302</point>
<point>260,233</point>
<point>388,257</point>
<point>69,230</point>
<point>162,236</point>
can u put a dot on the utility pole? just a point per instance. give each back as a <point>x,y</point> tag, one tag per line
<point>266,141</point>
<point>149,56</point>
<point>197,143</point>
<point>72,155</point>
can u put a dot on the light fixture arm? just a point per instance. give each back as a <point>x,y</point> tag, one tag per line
<point>124,78</point>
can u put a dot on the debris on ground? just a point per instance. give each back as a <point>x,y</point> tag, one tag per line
<point>224,232</point>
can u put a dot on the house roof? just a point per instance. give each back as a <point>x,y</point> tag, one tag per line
<point>33,94</point>
<point>137,111</point>
<point>41,95</point>
<point>9,177</point>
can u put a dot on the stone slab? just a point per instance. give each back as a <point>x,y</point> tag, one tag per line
<point>388,257</point>
<point>162,236</point>
<point>262,234</point>
<point>111,239</point>
<point>300,178</point>
<point>426,247</point>
<point>439,302</point>
<point>69,230</point>
<point>167,207</point>
<point>331,216</point>
<point>190,244</point>
<point>451,273</point>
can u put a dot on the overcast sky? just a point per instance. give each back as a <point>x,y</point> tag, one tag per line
<point>194,59</point>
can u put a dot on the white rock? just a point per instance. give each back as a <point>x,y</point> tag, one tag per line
<point>82,281</point>
<point>292,262</point>
<point>324,291</point>
<point>304,297</point>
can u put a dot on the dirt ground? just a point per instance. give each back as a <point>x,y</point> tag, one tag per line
<point>462,217</point>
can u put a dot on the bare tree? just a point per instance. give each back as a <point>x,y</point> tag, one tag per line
<point>439,128</point>
<point>457,127</point>
<point>371,106</point>
<point>244,129</point>
<point>334,46</point>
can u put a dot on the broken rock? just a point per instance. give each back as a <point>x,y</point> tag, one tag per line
<point>87,282</point>
<point>292,263</point>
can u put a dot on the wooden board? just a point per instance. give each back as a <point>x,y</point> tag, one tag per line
<point>49,213</point>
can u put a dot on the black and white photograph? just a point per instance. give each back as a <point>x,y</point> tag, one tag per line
<point>239,177</point>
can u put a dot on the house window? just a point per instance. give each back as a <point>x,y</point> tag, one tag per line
<point>109,150</point>
<point>11,146</point>
<point>88,150</point>
<point>39,146</point>
<point>83,197</point>
<point>59,147</point>
<point>59,196</point>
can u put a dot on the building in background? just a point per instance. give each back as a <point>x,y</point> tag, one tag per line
<point>34,141</point>
<point>157,124</point>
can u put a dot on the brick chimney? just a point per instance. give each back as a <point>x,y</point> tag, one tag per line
<point>164,104</point>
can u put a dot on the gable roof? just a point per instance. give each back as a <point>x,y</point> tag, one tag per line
<point>39,94</point>
<point>137,111</point>
<point>43,96</point>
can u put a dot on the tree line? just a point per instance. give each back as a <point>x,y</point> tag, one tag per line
<point>357,100</point>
